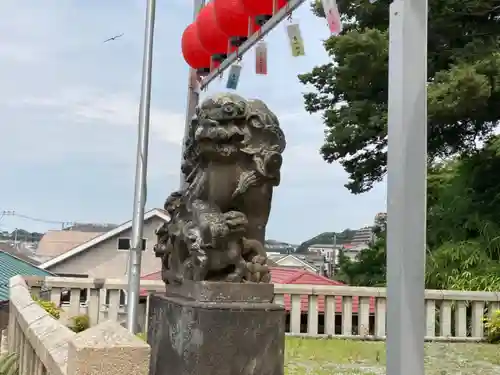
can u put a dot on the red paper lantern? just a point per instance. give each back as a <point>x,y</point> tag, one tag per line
<point>194,54</point>
<point>215,42</point>
<point>262,10</point>
<point>233,20</point>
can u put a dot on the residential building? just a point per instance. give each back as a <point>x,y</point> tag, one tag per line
<point>273,257</point>
<point>352,250</point>
<point>329,251</point>
<point>57,242</point>
<point>280,247</point>
<point>294,261</point>
<point>91,227</point>
<point>106,255</point>
<point>364,235</point>
<point>10,266</point>
<point>18,252</point>
<point>312,262</point>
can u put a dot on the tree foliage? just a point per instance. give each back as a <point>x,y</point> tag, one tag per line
<point>369,269</point>
<point>21,235</point>
<point>351,91</point>
<point>463,228</point>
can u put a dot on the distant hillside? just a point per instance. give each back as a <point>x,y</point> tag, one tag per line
<point>327,238</point>
<point>21,235</point>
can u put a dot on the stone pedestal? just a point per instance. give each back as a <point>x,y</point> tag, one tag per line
<point>205,328</point>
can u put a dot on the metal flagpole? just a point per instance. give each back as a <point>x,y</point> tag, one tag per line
<point>193,96</point>
<point>406,186</point>
<point>134,275</point>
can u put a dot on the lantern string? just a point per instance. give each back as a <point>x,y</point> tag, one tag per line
<point>288,11</point>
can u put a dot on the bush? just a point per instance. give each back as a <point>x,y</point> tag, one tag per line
<point>79,323</point>
<point>48,306</point>
<point>492,326</point>
<point>9,364</point>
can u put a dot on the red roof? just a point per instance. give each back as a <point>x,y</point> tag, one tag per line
<point>289,275</point>
<point>152,276</point>
<point>295,276</point>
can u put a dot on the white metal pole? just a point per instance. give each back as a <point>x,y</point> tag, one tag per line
<point>134,274</point>
<point>406,187</point>
<point>193,96</point>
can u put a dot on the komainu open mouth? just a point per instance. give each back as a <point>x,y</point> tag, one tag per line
<point>221,138</point>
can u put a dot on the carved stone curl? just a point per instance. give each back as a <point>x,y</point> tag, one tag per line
<point>232,162</point>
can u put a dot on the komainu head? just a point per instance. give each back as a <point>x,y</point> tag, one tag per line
<point>227,125</point>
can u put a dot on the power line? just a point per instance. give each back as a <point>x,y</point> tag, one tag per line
<point>36,219</point>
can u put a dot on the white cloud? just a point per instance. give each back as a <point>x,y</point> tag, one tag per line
<point>100,108</point>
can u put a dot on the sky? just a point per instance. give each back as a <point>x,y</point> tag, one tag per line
<point>69,109</point>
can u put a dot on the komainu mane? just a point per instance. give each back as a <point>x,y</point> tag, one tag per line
<point>232,162</point>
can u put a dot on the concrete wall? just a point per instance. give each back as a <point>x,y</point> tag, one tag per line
<point>45,346</point>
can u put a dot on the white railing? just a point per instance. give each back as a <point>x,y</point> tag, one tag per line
<point>358,312</point>
<point>45,346</point>
<point>317,311</point>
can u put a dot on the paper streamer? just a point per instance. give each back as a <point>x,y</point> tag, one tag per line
<point>332,16</point>
<point>261,58</point>
<point>234,77</point>
<point>296,41</point>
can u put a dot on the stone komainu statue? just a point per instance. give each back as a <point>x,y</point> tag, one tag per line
<point>232,162</point>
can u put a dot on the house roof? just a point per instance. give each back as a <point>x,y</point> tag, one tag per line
<point>287,275</point>
<point>102,237</point>
<point>57,242</point>
<point>325,245</point>
<point>302,262</point>
<point>275,257</point>
<point>152,276</point>
<point>11,249</point>
<point>358,246</point>
<point>91,227</point>
<point>10,266</point>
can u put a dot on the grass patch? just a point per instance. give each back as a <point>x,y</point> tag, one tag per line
<point>349,357</point>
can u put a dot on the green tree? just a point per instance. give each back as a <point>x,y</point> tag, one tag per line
<point>463,221</point>
<point>351,91</point>
<point>464,200</point>
<point>368,269</point>
<point>463,231</point>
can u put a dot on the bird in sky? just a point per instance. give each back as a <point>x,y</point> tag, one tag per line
<point>113,38</point>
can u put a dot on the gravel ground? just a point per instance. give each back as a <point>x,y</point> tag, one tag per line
<point>349,357</point>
